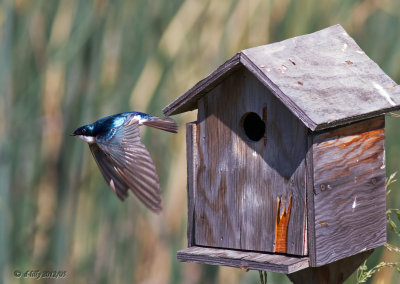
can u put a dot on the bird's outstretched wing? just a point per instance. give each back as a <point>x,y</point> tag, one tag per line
<point>131,164</point>
<point>108,169</point>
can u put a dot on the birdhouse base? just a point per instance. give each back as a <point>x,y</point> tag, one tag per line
<point>243,259</point>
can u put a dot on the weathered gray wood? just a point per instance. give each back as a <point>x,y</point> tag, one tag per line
<point>215,223</point>
<point>324,78</point>
<point>191,157</point>
<point>349,185</point>
<point>275,89</point>
<point>243,259</point>
<point>310,229</point>
<point>333,273</point>
<point>190,98</point>
<point>238,181</point>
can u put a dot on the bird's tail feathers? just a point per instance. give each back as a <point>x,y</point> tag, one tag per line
<point>163,123</point>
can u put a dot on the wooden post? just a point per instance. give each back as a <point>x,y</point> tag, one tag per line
<point>332,273</point>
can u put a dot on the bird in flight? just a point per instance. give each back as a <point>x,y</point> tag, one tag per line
<point>121,156</point>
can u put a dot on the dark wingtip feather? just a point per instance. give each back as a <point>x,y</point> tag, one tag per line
<point>163,123</point>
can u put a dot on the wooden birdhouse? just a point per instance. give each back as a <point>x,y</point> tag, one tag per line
<point>286,161</point>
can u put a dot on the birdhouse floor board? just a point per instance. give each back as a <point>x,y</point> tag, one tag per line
<point>243,259</point>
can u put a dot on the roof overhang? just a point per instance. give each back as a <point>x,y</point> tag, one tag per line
<point>323,78</point>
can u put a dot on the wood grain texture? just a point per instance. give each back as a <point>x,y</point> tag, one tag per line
<point>238,180</point>
<point>324,78</point>
<point>313,73</point>
<point>243,259</point>
<point>192,158</point>
<point>310,229</point>
<point>349,185</point>
<point>287,101</point>
<point>333,273</point>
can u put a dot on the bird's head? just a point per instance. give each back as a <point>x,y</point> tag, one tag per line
<point>85,133</point>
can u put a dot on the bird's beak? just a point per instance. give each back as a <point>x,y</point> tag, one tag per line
<point>72,134</point>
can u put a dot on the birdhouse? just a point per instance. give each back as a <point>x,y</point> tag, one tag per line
<point>286,161</point>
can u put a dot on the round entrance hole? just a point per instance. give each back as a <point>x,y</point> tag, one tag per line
<point>253,125</point>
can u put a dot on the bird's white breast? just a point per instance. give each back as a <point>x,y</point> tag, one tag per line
<point>88,139</point>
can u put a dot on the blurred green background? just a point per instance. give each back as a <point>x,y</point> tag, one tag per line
<point>64,63</point>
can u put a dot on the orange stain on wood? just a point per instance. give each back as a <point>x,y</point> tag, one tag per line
<point>281,226</point>
<point>323,224</point>
<point>370,136</point>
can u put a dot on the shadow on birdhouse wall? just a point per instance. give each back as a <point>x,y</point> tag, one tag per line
<point>246,107</point>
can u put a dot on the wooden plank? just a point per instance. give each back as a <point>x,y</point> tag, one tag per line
<point>310,228</point>
<point>238,180</point>
<point>188,101</point>
<point>191,157</point>
<point>324,78</point>
<point>215,224</point>
<point>349,185</point>
<point>243,259</point>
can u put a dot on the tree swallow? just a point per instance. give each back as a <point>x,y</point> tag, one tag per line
<point>121,156</point>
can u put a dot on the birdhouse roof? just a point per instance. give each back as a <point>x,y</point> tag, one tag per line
<point>324,78</point>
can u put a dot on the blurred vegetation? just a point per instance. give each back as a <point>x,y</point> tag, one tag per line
<point>64,63</point>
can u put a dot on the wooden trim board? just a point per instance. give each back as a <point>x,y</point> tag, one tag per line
<point>188,101</point>
<point>191,157</point>
<point>243,259</point>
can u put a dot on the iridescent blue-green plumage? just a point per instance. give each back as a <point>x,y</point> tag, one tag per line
<point>122,158</point>
<point>103,126</point>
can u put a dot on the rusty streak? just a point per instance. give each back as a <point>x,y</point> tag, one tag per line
<point>281,227</point>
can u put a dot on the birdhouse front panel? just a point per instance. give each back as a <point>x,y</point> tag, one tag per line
<point>249,170</point>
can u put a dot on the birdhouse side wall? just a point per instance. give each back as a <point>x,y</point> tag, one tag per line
<point>247,195</point>
<point>349,197</point>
